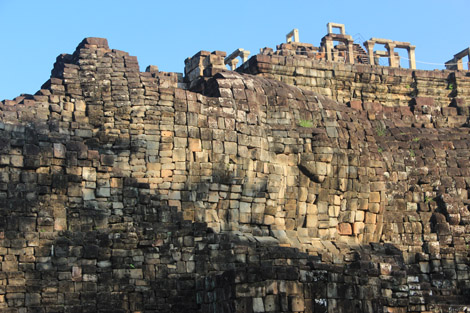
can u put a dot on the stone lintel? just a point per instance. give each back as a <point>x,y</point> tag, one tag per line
<point>398,44</point>
<point>338,37</point>
<point>465,52</point>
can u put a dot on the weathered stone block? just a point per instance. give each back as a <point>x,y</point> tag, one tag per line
<point>297,303</point>
<point>258,305</point>
<point>374,197</point>
<point>89,174</point>
<point>59,151</point>
<point>88,194</point>
<point>230,148</point>
<point>344,229</point>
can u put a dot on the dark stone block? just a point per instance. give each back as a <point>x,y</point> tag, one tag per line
<point>90,251</point>
<point>107,160</point>
<point>32,150</point>
<point>31,162</point>
<point>59,181</point>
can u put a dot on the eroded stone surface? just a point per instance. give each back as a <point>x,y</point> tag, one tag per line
<point>121,191</point>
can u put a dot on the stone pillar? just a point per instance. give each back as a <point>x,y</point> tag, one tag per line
<point>350,52</point>
<point>370,51</point>
<point>468,57</point>
<point>233,64</point>
<point>296,35</point>
<point>293,33</point>
<point>329,49</point>
<point>392,61</point>
<point>232,58</point>
<point>244,55</point>
<point>411,56</point>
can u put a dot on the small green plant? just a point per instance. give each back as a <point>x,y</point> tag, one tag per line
<point>428,199</point>
<point>380,149</point>
<point>450,86</point>
<point>416,139</point>
<point>305,123</point>
<point>132,266</point>
<point>408,86</point>
<point>380,130</point>
<point>412,153</point>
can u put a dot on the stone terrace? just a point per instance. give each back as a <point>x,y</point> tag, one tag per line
<point>290,185</point>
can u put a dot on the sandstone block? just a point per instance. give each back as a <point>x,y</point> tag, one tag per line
<point>230,148</point>
<point>89,174</point>
<point>374,207</point>
<point>344,229</point>
<point>374,197</point>
<point>195,145</point>
<point>359,216</point>
<point>358,228</point>
<point>371,218</point>
<point>297,304</point>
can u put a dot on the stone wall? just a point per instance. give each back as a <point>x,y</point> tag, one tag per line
<point>125,191</point>
<point>344,82</point>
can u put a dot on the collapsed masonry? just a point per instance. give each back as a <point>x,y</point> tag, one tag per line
<point>223,191</point>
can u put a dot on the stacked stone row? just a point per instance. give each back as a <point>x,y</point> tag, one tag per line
<point>392,87</point>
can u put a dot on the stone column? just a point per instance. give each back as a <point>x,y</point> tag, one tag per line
<point>329,49</point>
<point>468,57</point>
<point>392,61</point>
<point>329,28</point>
<point>370,51</point>
<point>296,35</point>
<point>350,52</point>
<point>233,64</point>
<point>245,54</point>
<point>411,56</point>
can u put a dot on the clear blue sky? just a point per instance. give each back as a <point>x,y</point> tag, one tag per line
<point>163,33</point>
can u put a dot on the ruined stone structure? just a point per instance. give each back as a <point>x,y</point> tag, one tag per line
<point>298,183</point>
<point>456,63</point>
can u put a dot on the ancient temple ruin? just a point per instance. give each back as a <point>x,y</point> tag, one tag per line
<point>307,179</point>
<point>456,63</point>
